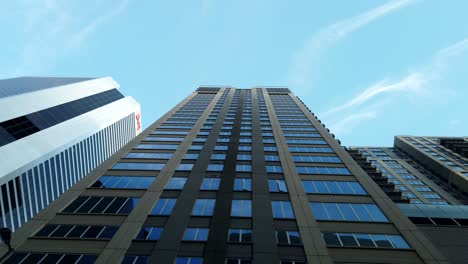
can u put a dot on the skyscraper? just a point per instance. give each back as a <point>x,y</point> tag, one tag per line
<point>233,176</point>
<point>429,172</point>
<point>53,131</point>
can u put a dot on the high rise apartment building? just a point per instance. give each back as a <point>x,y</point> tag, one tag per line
<point>234,176</point>
<point>430,172</point>
<point>54,131</point>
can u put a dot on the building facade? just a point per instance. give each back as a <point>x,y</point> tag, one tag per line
<point>54,131</point>
<point>234,176</point>
<point>429,172</point>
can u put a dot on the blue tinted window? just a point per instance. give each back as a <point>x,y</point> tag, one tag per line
<point>129,182</point>
<point>347,212</point>
<point>218,156</point>
<point>135,155</point>
<point>241,208</point>
<point>244,157</point>
<point>277,186</point>
<point>282,209</point>
<point>154,146</point>
<point>191,156</point>
<point>137,166</point>
<point>164,139</point>
<point>196,147</point>
<point>196,234</point>
<point>210,184</point>
<point>245,148</point>
<point>323,170</point>
<point>204,207</point>
<point>243,168</point>
<point>176,183</point>
<point>150,233</point>
<point>221,147</point>
<point>215,167</point>
<point>185,167</point>
<point>271,157</point>
<point>242,184</point>
<point>274,169</point>
<point>317,159</point>
<point>189,260</point>
<point>164,206</point>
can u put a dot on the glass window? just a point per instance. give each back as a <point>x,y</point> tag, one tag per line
<point>288,237</point>
<point>189,260</point>
<point>241,208</point>
<point>282,209</point>
<point>243,168</point>
<point>138,166</point>
<point>274,169</point>
<point>149,233</point>
<point>176,183</point>
<point>240,235</point>
<point>364,240</point>
<point>218,156</point>
<point>347,212</point>
<point>196,234</point>
<point>128,182</point>
<point>215,167</point>
<point>156,146</point>
<point>145,155</point>
<point>203,207</point>
<point>164,206</point>
<point>210,184</point>
<point>244,157</point>
<point>238,261</point>
<point>242,184</point>
<point>335,187</point>
<point>277,186</point>
<point>185,167</point>
<point>244,148</point>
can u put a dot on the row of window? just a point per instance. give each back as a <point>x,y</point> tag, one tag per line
<point>347,212</point>
<point>77,231</point>
<point>364,240</point>
<point>198,260</point>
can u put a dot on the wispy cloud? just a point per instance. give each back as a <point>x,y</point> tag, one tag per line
<point>304,60</point>
<point>54,29</point>
<point>346,125</point>
<point>414,84</point>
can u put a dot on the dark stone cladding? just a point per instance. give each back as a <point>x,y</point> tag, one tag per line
<point>167,248</point>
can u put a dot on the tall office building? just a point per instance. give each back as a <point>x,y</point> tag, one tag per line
<point>431,174</point>
<point>234,176</point>
<point>54,131</point>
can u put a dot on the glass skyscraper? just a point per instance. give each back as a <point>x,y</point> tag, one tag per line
<point>54,131</point>
<point>234,176</point>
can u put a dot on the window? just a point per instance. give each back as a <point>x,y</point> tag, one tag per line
<point>272,158</point>
<point>243,168</point>
<point>102,205</point>
<point>156,146</point>
<point>189,260</point>
<point>277,186</point>
<point>121,182</point>
<point>149,233</point>
<point>218,156</point>
<point>274,169</point>
<point>323,170</point>
<point>288,237</point>
<point>78,231</point>
<point>364,240</point>
<point>196,234</point>
<point>270,148</point>
<point>333,187</point>
<point>317,159</point>
<point>241,208</point>
<point>164,206</point>
<point>138,166</point>
<point>238,261</point>
<point>196,147</point>
<point>135,155</point>
<point>347,212</point>
<point>242,184</point>
<point>164,139</point>
<point>210,184</point>
<point>292,262</point>
<point>240,235</point>
<point>130,259</point>
<point>191,156</point>
<point>215,167</point>
<point>25,257</point>
<point>203,207</point>
<point>244,148</point>
<point>218,147</point>
<point>282,209</point>
<point>176,183</point>
<point>244,157</point>
<point>185,167</point>
<point>310,149</point>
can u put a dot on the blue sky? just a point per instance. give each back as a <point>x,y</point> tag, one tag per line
<point>369,69</point>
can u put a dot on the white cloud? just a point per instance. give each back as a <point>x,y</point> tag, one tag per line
<point>345,125</point>
<point>305,58</point>
<point>414,84</point>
